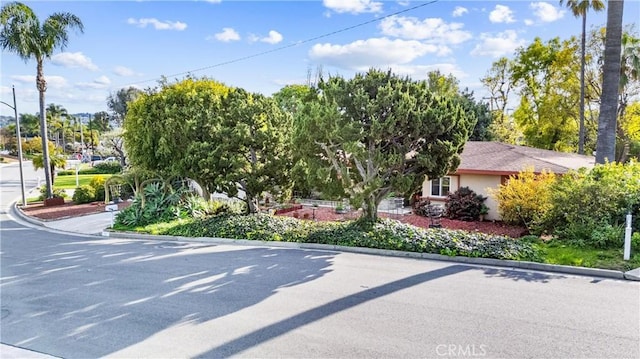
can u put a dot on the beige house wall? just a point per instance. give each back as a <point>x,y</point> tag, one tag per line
<point>478,183</point>
<point>481,185</point>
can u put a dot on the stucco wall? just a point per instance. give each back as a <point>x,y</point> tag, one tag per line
<point>481,184</point>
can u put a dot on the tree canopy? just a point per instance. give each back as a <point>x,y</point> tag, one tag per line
<point>226,139</point>
<point>380,133</point>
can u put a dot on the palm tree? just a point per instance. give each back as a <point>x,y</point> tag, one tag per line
<point>23,34</point>
<point>629,72</point>
<point>607,119</point>
<point>57,160</point>
<point>55,117</point>
<point>580,8</point>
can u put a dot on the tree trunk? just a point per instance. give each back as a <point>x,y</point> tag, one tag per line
<point>252,204</point>
<point>46,160</point>
<point>606,143</point>
<point>582,65</point>
<point>370,210</point>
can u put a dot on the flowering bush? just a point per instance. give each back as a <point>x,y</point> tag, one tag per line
<point>526,198</point>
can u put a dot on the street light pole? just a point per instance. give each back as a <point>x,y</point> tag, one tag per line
<point>19,140</point>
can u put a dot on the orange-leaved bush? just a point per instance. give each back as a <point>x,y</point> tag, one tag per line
<point>525,198</point>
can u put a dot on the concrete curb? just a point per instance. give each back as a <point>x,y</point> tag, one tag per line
<point>591,272</point>
<point>16,212</point>
<point>633,275</point>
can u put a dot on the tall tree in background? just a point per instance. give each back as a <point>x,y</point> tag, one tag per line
<point>579,8</point>
<point>23,34</point>
<point>29,124</point>
<point>100,121</point>
<point>544,74</point>
<point>119,102</point>
<point>607,120</point>
<point>56,115</point>
<point>498,81</point>
<point>449,86</point>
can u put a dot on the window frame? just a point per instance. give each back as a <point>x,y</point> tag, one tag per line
<point>440,187</point>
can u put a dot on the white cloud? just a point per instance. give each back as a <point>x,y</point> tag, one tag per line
<point>52,80</point>
<point>501,44</point>
<point>124,71</point>
<point>99,83</point>
<point>371,52</point>
<point>353,6</point>
<point>273,38</point>
<point>228,34</point>
<point>157,24</point>
<point>213,1</point>
<point>73,60</point>
<point>459,11</point>
<point>546,12</point>
<point>528,22</point>
<point>500,14</point>
<point>104,80</point>
<point>434,30</point>
<point>404,2</point>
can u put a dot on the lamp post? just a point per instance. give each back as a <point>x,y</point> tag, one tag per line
<point>15,112</point>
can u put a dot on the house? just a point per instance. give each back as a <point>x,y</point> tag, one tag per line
<point>486,165</point>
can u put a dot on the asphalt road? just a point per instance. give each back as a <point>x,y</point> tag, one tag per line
<point>77,296</point>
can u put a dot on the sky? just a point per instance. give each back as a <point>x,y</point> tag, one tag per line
<point>262,46</point>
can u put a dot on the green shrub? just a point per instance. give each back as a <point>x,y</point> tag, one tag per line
<point>97,183</point>
<point>110,167</point>
<point>585,201</point>
<point>525,199</point>
<point>158,202</point>
<point>635,241</point>
<point>464,204</point>
<point>591,233</point>
<point>84,194</point>
<point>66,173</point>
<point>384,234</point>
<point>56,192</point>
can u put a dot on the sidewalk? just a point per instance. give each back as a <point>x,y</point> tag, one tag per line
<point>92,224</point>
<point>11,352</point>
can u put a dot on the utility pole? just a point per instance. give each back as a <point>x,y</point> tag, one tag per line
<point>15,113</point>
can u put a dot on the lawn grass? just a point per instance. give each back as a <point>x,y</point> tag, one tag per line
<point>69,182</point>
<point>554,252</point>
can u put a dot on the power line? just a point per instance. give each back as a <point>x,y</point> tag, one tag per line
<point>284,47</point>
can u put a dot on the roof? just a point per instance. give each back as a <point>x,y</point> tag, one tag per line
<point>506,159</point>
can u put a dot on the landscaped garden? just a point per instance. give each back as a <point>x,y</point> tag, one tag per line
<point>340,141</point>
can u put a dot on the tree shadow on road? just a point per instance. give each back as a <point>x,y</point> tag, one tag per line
<point>521,275</point>
<point>95,296</point>
<point>272,331</point>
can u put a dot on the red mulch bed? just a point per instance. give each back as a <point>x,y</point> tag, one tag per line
<point>67,210</point>
<point>489,227</point>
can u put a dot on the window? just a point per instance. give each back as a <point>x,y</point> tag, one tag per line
<point>440,187</point>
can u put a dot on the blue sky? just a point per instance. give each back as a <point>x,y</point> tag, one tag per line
<point>136,42</point>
